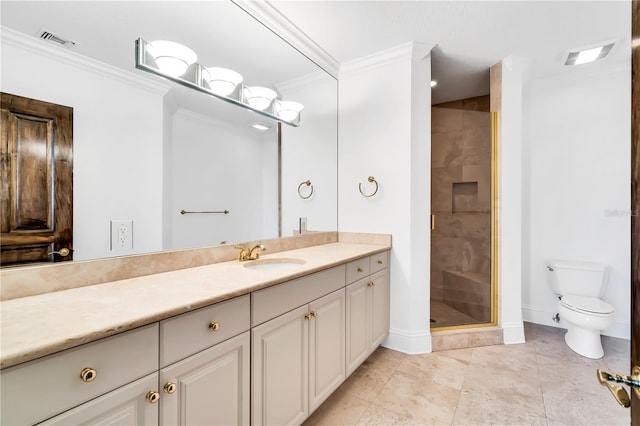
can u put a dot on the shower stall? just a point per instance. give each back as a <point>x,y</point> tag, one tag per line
<point>462,195</point>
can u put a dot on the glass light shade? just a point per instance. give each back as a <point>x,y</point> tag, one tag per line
<point>172,58</point>
<point>222,81</point>
<point>288,110</point>
<point>259,97</point>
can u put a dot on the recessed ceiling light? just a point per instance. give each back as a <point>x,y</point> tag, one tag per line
<point>433,83</point>
<point>584,56</point>
<point>260,126</point>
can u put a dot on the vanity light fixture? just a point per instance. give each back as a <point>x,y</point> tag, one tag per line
<point>259,97</point>
<point>177,63</point>
<point>260,126</point>
<point>434,83</point>
<point>172,58</point>
<point>288,110</point>
<point>586,55</point>
<point>222,81</point>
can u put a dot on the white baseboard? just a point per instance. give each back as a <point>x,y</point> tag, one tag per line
<point>411,343</point>
<point>537,315</point>
<point>512,332</point>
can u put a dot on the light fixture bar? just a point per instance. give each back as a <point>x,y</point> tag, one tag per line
<point>193,79</point>
<point>584,56</point>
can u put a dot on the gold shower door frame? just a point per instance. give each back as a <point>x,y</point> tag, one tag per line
<point>495,145</point>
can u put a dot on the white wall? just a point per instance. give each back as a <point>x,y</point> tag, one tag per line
<point>117,133</point>
<point>384,132</point>
<point>579,183</point>
<point>205,153</point>
<point>309,152</point>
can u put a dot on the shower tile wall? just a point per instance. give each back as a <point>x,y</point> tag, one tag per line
<point>461,202</point>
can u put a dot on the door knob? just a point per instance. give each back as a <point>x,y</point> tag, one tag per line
<point>619,393</point>
<point>63,252</point>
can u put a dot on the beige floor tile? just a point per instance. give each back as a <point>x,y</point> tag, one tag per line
<point>425,401</point>
<point>574,407</point>
<point>382,417</point>
<point>368,380</point>
<point>341,408</point>
<point>477,409</point>
<point>556,376</point>
<point>446,368</point>
<point>387,357</point>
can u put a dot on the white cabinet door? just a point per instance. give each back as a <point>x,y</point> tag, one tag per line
<point>280,369</point>
<point>127,405</point>
<point>357,327</point>
<point>208,388</point>
<point>326,347</point>
<point>379,303</point>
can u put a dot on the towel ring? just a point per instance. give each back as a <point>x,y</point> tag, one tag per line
<point>372,180</point>
<point>308,183</point>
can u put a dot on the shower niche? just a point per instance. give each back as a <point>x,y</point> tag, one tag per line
<point>461,182</point>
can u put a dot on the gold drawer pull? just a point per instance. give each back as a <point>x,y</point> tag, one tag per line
<point>88,375</point>
<point>379,262</point>
<point>170,387</point>
<point>153,397</point>
<point>214,326</point>
<point>359,269</point>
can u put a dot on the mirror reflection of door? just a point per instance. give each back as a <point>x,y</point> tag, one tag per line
<point>36,181</point>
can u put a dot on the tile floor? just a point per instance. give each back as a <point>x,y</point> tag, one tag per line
<point>541,382</point>
<point>443,315</point>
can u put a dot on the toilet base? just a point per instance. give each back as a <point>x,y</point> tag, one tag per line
<point>584,342</point>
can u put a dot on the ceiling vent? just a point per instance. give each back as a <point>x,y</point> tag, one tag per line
<point>53,38</point>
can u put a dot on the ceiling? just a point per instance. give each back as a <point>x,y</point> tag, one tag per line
<point>470,36</point>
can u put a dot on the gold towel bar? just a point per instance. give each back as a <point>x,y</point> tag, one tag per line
<point>308,183</point>
<point>371,179</point>
<point>219,211</point>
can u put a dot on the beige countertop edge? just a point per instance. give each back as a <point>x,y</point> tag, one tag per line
<point>36,326</point>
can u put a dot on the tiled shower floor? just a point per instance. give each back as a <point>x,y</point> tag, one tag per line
<point>443,315</point>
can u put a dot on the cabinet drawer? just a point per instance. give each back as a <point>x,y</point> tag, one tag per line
<point>192,332</point>
<point>379,261</point>
<point>357,269</point>
<point>39,389</point>
<point>271,302</point>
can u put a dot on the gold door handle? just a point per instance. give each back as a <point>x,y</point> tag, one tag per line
<point>63,252</point>
<point>152,397</point>
<point>88,374</point>
<point>433,222</point>
<point>214,326</point>
<point>618,392</point>
<point>170,387</point>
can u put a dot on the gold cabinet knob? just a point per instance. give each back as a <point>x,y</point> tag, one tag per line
<point>314,314</point>
<point>379,262</point>
<point>153,397</point>
<point>88,374</point>
<point>214,326</point>
<point>307,316</point>
<point>359,269</point>
<point>170,387</point>
<point>370,284</point>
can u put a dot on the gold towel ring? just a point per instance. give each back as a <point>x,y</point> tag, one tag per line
<point>308,183</point>
<point>372,180</point>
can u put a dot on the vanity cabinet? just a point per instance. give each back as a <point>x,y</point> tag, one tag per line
<point>42,388</point>
<point>367,310</point>
<point>208,388</point>
<point>298,357</point>
<point>128,405</point>
<point>205,358</point>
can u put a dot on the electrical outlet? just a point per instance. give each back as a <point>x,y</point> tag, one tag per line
<point>121,236</point>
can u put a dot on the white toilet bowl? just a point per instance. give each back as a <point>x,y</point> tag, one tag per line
<point>585,316</point>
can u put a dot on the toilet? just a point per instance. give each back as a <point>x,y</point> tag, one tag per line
<point>580,286</point>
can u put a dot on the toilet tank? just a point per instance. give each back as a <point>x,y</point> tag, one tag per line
<point>579,278</point>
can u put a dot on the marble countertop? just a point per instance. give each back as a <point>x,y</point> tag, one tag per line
<point>35,326</point>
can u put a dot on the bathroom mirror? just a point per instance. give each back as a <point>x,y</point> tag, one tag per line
<point>146,148</point>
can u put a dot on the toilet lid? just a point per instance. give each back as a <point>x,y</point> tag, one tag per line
<point>587,304</point>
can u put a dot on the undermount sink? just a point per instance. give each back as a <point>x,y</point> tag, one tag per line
<point>274,263</point>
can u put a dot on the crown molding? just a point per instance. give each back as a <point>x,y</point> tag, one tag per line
<point>407,51</point>
<point>14,38</point>
<point>272,18</point>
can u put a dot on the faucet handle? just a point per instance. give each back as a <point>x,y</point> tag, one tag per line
<point>243,253</point>
<point>253,254</point>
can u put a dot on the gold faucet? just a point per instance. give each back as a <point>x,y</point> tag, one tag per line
<point>250,254</point>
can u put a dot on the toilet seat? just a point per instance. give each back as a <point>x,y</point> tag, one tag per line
<point>586,305</point>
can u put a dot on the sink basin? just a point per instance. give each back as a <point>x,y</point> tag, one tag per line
<point>274,263</point>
